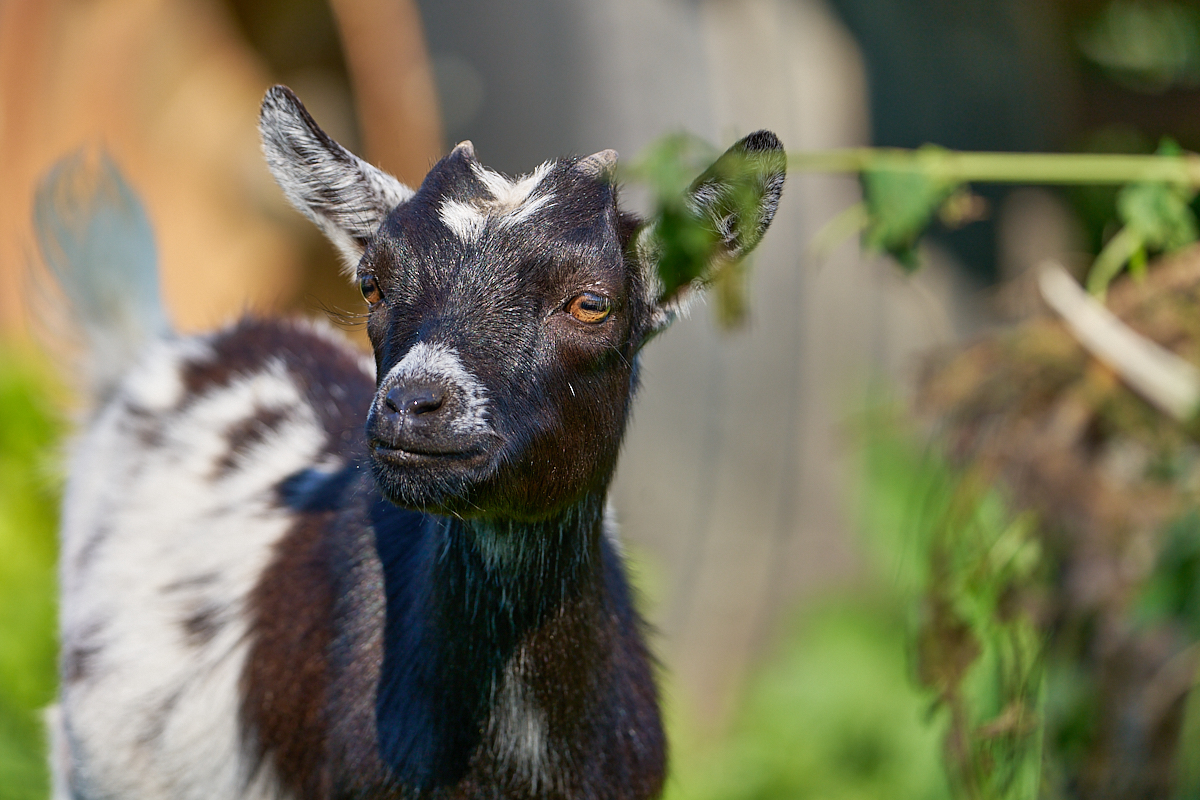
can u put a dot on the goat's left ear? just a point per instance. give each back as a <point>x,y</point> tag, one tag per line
<point>345,196</point>
<point>722,217</point>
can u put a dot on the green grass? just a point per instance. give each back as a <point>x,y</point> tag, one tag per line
<point>28,519</point>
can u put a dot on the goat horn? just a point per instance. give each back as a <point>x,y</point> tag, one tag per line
<point>598,165</point>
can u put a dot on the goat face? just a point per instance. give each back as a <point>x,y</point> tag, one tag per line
<point>505,316</point>
<point>504,323</point>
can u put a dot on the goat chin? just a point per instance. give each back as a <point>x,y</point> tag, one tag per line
<point>289,571</point>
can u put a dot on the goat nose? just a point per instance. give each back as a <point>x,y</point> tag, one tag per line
<point>414,400</point>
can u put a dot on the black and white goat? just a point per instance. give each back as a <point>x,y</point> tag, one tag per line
<point>289,572</point>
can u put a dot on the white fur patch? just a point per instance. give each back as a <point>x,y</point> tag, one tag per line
<point>525,210</point>
<point>511,202</point>
<point>159,557</point>
<point>439,362</point>
<point>518,727</point>
<point>464,220</point>
<point>509,195</point>
<point>155,382</point>
<point>612,529</point>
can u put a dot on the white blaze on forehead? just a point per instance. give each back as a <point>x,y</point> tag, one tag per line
<point>525,210</point>
<point>465,221</point>
<point>510,202</point>
<point>509,195</point>
<point>441,363</point>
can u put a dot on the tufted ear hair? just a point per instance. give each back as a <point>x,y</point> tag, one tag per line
<point>721,218</point>
<point>345,196</point>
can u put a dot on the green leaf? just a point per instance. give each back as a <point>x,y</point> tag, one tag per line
<point>1159,212</point>
<point>689,249</point>
<point>668,168</point>
<point>901,198</point>
<point>687,246</point>
<point>1156,216</point>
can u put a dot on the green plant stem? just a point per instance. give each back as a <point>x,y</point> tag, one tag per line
<point>1027,168</point>
<point>1112,258</point>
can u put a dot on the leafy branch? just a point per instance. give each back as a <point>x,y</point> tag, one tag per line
<point>903,190</point>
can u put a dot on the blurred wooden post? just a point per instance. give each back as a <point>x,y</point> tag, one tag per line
<point>384,45</point>
<point>170,90</point>
<point>23,31</point>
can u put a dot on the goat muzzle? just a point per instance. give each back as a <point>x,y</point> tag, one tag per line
<point>424,418</point>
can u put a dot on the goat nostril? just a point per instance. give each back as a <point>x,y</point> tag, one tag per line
<point>415,400</point>
<point>426,403</point>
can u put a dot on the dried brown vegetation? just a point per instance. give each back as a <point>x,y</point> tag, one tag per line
<point>1115,485</point>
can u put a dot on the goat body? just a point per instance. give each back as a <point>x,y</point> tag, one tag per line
<point>291,572</point>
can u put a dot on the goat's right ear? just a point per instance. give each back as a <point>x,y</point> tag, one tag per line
<point>721,218</point>
<point>347,197</point>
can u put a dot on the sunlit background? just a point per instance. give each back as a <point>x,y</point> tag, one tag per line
<point>750,487</point>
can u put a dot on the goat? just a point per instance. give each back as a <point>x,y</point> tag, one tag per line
<point>289,571</point>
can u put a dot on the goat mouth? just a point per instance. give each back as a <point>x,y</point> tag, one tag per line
<point>427,477</point>
<point>412,453</point>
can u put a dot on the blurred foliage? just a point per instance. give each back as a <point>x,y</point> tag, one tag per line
<point>1014,691</point>
<point>1159,212</point>
<point>963,565</point>
<point>1155,216</point>
<point>1116,487</point>
<point>830,714</point>
<point>28,518</point>
<point>1145,46</point>
<point>1148,212</point>
<point>928,681</point>
<point>1173,589</point>
<point>1171,595</point>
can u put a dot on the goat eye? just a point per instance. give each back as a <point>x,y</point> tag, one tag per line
<point>370,289</point>
<point>590,308</point>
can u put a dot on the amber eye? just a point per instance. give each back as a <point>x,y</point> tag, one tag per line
<point>370,289</point>
<point>590,308</point>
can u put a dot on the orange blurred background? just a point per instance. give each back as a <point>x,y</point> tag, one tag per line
<point>170,89</point>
